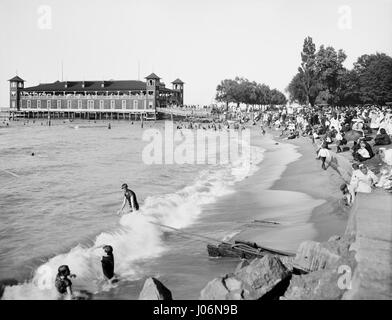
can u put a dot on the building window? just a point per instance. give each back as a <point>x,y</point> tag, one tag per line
<point>13,93</point>
<point>150,105</point>
<point>135,104</point>
<point>38,104</point>
<point>112,103</point>
<point>69,104</point>
<point>90,104</point>
<point>20,85</point>
<point>124,104</point>
<point>13,104</point>
<point>29,104</point>
<point>79,104</point>
<point>48,104</point>
<point>58,104</point>
<point>150,82</point>
<point>101,104</point>
<point>13,84</point>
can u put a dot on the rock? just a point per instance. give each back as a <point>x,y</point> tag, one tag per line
<point>287,262</point>
<point>214,290</point>
<point>262,276</point>
<point>313,256</point>
<point>325,260</point>
<point>318,285</point>
<point>153,289</point>
<point>6,282</point>
<point>241,265</point>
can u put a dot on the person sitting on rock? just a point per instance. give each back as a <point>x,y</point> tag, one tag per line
<point>382,138</point>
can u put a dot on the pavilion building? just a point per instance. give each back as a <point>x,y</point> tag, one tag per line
<point>114,99</point>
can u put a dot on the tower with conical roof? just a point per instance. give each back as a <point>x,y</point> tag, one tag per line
<point>152,87</point>
<point>178,86</point>
<point>16,86</point>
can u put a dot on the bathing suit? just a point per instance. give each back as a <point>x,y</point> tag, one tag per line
<point>62,284</point>
<point>128,195</point>
<point>108,266</point>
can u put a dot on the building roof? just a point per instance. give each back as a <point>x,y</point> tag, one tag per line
<point>152,76</point>
<point>16,78</point>
<point>111,85</point>
<point>177,81</point>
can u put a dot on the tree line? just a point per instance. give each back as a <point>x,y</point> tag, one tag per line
<point>242,90</point>
<point>322,78</point>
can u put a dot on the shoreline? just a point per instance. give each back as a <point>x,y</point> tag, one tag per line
<point>291,189</point>
<point>305,175</point>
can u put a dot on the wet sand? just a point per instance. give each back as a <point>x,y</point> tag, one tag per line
<point>305,200</point>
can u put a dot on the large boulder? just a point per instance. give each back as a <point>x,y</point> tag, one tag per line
<point>259,279</point>
<point>312,256</point>
<point>327,284</point>
<point>262,276</point>
<point>318,285</point>
<point>215,290</point>
<point>153,289</point>
<point>244,263</point>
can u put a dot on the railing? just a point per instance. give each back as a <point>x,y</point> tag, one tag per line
<point>185,112</point>
<point>87,110</point>
<point>81,97</point>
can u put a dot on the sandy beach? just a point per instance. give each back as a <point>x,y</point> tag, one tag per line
<point>305,200</point>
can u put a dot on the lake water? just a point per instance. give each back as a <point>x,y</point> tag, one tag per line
<point>58,206</point>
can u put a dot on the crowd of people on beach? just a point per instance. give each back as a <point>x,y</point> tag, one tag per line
<point>366,131</point>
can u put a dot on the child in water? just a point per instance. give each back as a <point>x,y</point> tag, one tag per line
<point>62,283</point>
<point>108,263</point>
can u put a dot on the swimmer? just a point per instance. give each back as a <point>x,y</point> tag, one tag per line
<point>130,198</point>
<point>108,263</point>
<point>62,283</point>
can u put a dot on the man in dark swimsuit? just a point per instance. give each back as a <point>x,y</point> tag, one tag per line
<point>130,198</point>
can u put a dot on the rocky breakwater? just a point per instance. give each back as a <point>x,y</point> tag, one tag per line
<point>318,271</point>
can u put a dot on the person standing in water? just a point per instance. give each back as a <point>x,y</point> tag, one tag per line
<point>108,263</point>
<point>130,198</point>
<point>62,283</point>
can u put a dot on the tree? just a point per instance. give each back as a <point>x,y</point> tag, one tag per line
<point>375,78</point>
<point>329,66</point>
<point>296,90</point>
<point>308,71</point>
<point>225,91</point>
<point>277,97</point>
<point>263,93</point>
<point>241,90</point>
<point>349,90</point>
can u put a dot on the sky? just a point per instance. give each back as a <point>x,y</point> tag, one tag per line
<point>201,42</point>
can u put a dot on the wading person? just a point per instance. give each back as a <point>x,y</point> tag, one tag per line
<point>348,194</point>
<point>108,263</point>
<point>130,198</point>
<point>62,283</point>
<point>323,154</point>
